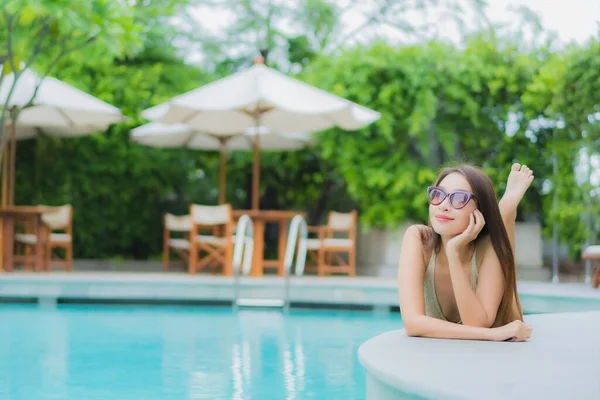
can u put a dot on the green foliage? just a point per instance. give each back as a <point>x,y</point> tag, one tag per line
<point>99,29</point>
<point>566,93</point>
<point>119,190</point>
<point>292,34</point>
<point>490,102</point>
<point>438,104</point>
<point>41,34</point>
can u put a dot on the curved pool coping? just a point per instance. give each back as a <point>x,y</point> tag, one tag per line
<point>561,360</point>
<point>377,293</point>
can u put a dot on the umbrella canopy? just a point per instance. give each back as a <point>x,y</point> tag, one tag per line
<point>260,96</point>
<point>157,134</point>
<point>283,104</point>
<point>57,109</point>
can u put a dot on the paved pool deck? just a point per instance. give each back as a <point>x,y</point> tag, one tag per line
<point>560,361</point>
<point>173,287</point>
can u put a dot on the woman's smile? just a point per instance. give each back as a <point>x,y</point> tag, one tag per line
<point>443,218</point>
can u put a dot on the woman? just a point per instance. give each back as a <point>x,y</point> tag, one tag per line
<point>457,275</point>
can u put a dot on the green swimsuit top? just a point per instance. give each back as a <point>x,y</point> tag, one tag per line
<point>432,305</point>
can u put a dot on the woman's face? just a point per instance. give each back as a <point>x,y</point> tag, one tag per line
<point>450,217</point>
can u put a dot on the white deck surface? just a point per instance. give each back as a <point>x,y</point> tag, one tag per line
<point>560,361</point>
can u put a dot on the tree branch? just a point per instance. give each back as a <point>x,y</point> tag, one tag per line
<point>9,43</point>
<point>37,48</point>
<point>370,20</point>
<point>3,73</point>
<point>2,121</point>
<point>343,9</point>
<point>60,56</point>
<point>11,60</point>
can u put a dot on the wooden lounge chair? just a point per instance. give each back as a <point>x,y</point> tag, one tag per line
<point>212,250</point>
<point>181,225</point>
<point>59,225</point>
<point>326,250</point>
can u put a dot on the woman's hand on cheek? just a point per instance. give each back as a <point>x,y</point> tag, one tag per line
<point>476,224</point>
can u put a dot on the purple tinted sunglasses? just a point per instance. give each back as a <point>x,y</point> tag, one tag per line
<point>458,199</point>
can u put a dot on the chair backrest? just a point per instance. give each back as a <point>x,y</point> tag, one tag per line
<point>211,215</point>
<point>219,218</point>
<point>59,218</point>
<point>178,223</point>
<point>342,222</point>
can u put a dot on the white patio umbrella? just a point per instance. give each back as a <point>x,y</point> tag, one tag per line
<point>58,109</point>
<point>260,96</point>
<point>156,134</point>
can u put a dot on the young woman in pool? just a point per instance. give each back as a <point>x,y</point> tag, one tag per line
<point>457,275</point>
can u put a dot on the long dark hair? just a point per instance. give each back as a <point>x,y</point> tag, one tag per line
<point>510,307</point>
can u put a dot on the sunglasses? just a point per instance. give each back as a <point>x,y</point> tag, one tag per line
<point>458,199</point>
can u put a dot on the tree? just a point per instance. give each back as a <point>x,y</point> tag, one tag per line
<point>120,190</point>
<point>565,95</point>
<point>297,32</point>
<point>439,104</point>
<point>90,29</point>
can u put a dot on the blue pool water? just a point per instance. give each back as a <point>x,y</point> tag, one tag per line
<point>172,353</point>
<point>145,353</point>
<point>546,304</point>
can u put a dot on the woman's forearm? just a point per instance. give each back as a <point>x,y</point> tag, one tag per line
<point>424,326</point>
<point>469,307</point>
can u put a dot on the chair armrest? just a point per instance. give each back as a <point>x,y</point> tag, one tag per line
<point>321,230</point>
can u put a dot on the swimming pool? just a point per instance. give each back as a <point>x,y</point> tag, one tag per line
<point>95,352</point>
<point>155,352</point>
<point>536,304</point>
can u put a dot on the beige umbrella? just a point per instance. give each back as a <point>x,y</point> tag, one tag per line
<point>58,109</point>
<point>156,134</point>
<point>260,96</point>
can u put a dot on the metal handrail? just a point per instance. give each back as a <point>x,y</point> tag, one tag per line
<point>244,244</point>
<point>298,228</point>
<point>243,250</point>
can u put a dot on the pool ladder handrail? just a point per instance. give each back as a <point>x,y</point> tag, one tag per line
<point>298,228</point>
<point>243,250</point>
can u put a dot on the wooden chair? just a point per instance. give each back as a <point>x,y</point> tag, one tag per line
<point>56,219</point>
<point>178,245</point>
<point>217,246</point>
<point>327,248</point>
<point>22,252</point>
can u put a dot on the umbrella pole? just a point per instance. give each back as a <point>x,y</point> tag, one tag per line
<point>222,174</point>
<point>256,173</point>
<point>4,197</point>
<point>13,159</point>
<point>5,161</point>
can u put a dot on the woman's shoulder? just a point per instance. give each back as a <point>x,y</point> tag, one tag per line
<point>422,236</point>
<point>415,230</point>
<point>422,232</point>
